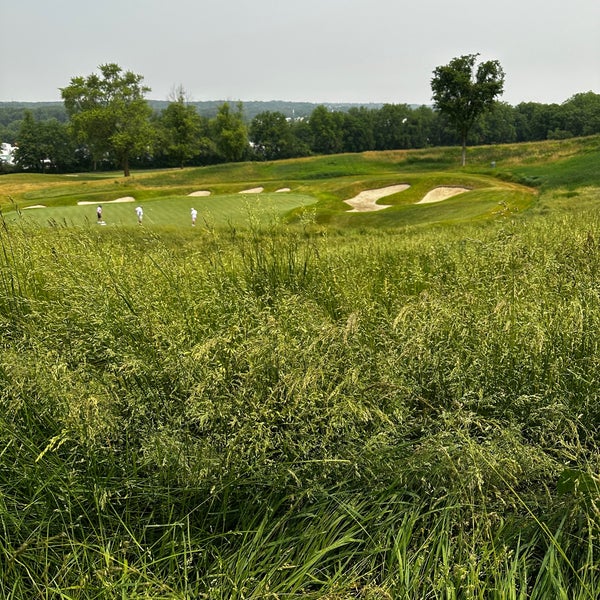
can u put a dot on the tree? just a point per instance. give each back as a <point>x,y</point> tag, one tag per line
<point>180,128</point>
<point>301,136</point>
<point>44,145</point>
<point>109,113</point>
<point>496,126</point>
<point>61,154</point>
<point>231,133</point>
<point>535,121</point>
<point>581,114</point>
<point>327,130</point>
<point>358,130</point>
<point>462,93</point>
<point>392,127</point>
<point>421,125</point>
<point>271,135</point>
<point>29,153</point>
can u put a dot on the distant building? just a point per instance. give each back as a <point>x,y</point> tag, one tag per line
<point>7,153</point>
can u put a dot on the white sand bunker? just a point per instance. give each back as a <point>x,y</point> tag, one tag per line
<point>34,206</point>
<point>283,190</point>
<point>367,200</point>
<point>200,193</point>
<point>256,190</point>
<point>441,193</point>
<point>124,199</point>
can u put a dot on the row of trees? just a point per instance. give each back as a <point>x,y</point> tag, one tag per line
<point>111,124</point>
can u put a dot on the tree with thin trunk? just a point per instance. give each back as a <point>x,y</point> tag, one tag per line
<point>462,93</point>
<point>108,112</point>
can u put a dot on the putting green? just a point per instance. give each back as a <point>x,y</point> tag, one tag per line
<point>231,209</point>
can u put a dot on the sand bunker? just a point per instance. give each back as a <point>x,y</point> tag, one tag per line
<point>124,199</point>
<point>34,206</point>
<point>283,190</point>
<point>441,193</point>
<point>200,193</point>
<point>256,190</point>
<point>367,200</point>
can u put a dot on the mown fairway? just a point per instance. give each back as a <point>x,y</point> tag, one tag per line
<point>304,402</point>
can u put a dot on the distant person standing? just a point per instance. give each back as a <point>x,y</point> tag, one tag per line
<point>140,214</point>
<point>194,213</point>
<point>99,213</point>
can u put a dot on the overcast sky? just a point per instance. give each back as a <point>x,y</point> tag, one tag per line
<point>309,50</point>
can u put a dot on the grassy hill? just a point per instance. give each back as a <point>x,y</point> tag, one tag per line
<point>326,181</point>
<point>308,404</point>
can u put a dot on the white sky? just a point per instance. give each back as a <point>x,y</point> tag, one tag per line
<point>313,50</point>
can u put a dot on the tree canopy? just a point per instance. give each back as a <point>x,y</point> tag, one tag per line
<point>44,146</point>
<point>272,136</point>
<point>180,129</point>
<point>231,133</point>
<point>109,114</point>
<point>463,93</point>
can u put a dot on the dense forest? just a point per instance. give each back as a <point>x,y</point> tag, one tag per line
<point>200,133</point>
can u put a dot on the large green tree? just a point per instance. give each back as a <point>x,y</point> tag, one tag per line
<point>327,130</point>
<point>44,145</point>
<point>391,127</point>
<point>272,136</point>
<point>109,113</point>
<point>462,91</point>
<point>180,129</point>
<point>358,129</point>
<point>230,133</point>
<point>581,114</point>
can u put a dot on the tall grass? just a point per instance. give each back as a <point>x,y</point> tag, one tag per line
<point>285,411</point>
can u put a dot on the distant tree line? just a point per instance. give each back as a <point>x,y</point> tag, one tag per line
<point>106,123</point>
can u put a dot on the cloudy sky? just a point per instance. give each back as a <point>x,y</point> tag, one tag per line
<point>310,50</point>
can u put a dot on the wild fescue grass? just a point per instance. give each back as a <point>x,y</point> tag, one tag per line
<point>286,412</point>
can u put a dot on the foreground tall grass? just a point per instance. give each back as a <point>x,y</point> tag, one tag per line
<point>286,412</point>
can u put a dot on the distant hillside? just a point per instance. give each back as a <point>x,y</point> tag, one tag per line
<point>42,111</point>
<point>207,108</point>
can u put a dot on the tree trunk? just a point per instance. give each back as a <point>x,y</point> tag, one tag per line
<point>464,149</point>
<point>126,166</point>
